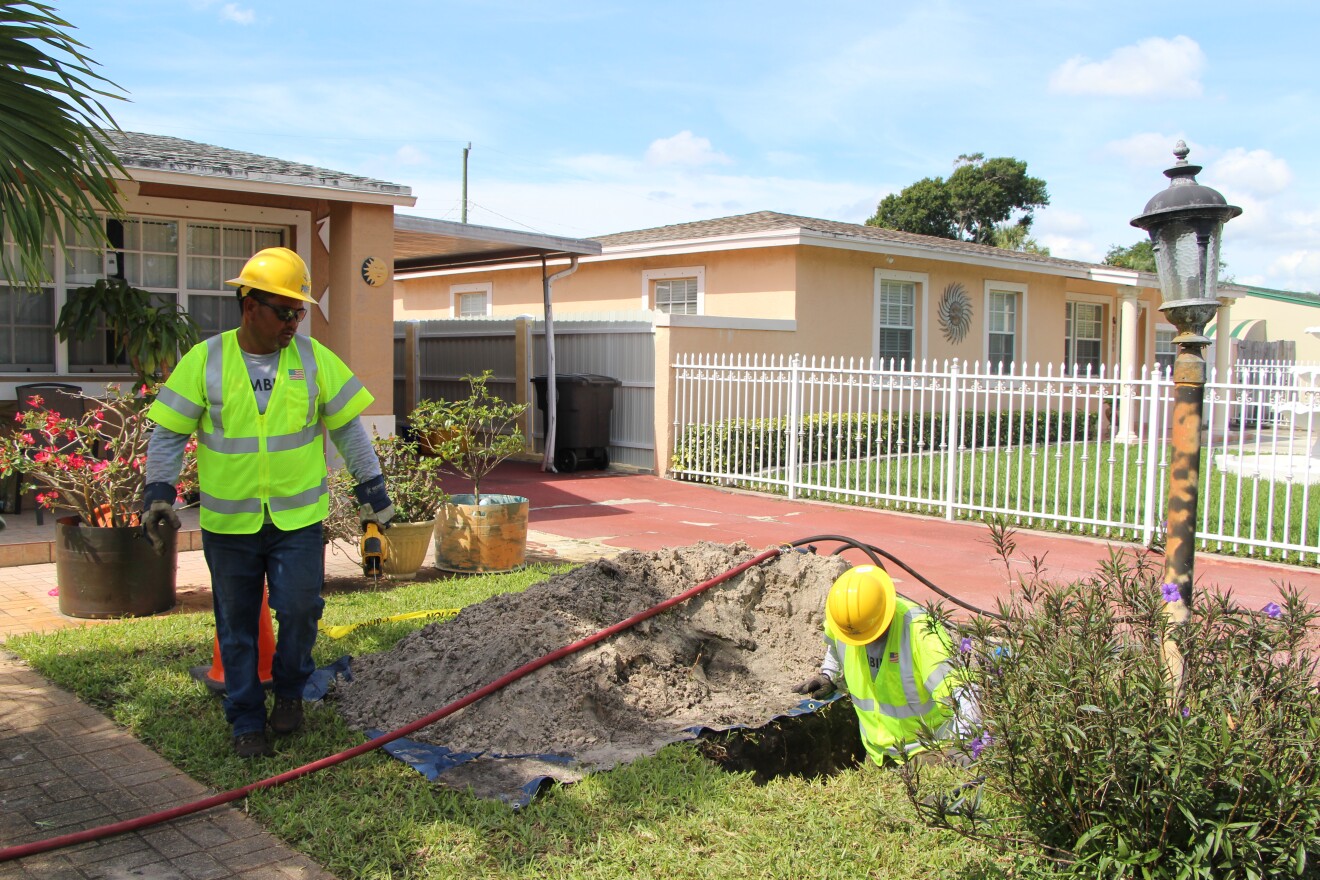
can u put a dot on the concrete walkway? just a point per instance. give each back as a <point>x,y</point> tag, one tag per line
<point>65,767</point>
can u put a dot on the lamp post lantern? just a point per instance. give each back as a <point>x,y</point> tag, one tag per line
<point>1185,222</point>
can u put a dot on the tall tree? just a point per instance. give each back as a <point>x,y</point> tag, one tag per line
<point>1140,256</point>
<point>55,158</point>
<point>978,200</point>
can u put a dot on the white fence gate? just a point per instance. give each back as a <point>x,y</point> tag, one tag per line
<point>1086,454</point>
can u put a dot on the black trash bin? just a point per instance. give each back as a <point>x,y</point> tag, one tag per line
<point>583,402</point>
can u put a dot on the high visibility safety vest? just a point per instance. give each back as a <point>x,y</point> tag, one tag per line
<point>250,463</point>
<point>898,682</point>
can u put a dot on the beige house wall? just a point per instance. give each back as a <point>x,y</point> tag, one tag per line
<point>1284,319</point>
<point>760,282</point>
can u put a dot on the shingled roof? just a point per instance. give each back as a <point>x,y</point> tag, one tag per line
<point>156,152</point>
<point>771,221</point>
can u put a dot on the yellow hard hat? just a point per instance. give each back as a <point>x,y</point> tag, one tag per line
<point>861,604</point>
<point>276,270</point>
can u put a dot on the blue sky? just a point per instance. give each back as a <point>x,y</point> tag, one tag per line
<point>599,117</point>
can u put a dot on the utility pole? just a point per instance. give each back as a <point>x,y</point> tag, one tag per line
<point>466,150</point>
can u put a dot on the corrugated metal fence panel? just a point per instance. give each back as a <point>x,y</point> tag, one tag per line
<point>452,349</point>
<point>623,350</point>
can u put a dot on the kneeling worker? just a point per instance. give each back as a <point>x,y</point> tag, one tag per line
<point>895,664</point>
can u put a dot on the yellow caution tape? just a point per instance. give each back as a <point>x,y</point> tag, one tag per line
<point>338,632</point>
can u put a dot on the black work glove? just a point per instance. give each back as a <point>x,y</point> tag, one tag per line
<point>819,686</point>
<point>374,503</point>
<point>158,514</point>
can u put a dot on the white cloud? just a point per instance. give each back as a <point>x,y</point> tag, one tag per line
<point>233,12</point>
<point>410,155</point>
<point>1258,173</point>
<point>1301,269</point>
<point>1154,67</point>
<point>1148,149</point>
<point>684,148</point>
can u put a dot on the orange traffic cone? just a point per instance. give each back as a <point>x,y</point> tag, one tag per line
<point>214,675</point>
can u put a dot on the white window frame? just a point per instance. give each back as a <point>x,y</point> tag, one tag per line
<point>650,276</point>
<point>1106,335</point>
<point>1020,335</point>
<point>456,291</point>
<point>921,281</point>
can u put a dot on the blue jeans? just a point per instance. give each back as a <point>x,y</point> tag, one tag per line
<point>293,564</point>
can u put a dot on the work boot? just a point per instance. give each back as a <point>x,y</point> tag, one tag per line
<point>287,716</point>
<point>252,745</point>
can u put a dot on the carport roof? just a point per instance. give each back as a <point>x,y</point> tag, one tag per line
<point>421,244</point>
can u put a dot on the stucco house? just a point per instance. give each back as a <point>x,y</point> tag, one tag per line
<point>832,288</point>
<point>194,213</point>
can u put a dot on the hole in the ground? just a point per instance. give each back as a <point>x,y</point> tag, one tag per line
<point>821,743</point>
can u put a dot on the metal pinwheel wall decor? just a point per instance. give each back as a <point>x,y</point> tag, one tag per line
<point>955,312</point>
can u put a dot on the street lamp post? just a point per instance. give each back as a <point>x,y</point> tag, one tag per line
<point>1185,222</point>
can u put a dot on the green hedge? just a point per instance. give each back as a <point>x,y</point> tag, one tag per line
<point>741,445</point>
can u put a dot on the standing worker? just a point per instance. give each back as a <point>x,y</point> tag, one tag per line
<point>899,676</point>
<point>257,397</point>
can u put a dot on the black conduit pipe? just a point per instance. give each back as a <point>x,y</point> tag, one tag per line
<point>41,846</point>
<point>873,552</point>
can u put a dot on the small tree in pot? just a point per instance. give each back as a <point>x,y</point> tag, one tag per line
<point>469,437</point>
<point>413,483</point>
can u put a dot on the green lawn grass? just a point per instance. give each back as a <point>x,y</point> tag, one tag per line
<point>674,815</point>
<point>1081,483</point>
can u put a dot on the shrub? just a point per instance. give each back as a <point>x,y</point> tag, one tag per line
<point>1093,759</point>
<point>750,445</point>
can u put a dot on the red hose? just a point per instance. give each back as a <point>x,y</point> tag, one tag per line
<point>41,846</point>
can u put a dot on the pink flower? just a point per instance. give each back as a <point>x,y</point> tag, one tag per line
<point>18,416</point>
<point>98,466</point>
<point>27,438</point>
<point>35,400</point>
<point>42,457</point>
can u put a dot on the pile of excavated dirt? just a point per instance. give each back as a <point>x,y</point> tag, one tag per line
<point>727,657</point>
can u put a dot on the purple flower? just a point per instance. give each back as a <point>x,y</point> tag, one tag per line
<point>1186,711</point>
<point>1171,591</point>
<point>978,745</point>
<point>965,646</point>
<point>1272,610</point>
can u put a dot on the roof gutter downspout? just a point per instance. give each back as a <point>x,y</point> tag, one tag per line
<point>551,391</point>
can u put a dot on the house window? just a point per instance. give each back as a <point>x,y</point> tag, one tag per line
<point>27,320</point>
<point>1083,345</point>
<point>470,300</point>
<point>1002,315</point>
<point>1165,349</point>
<point>217,252</point>
<point>896,306</point>
<point>677,291</point>
<point>472,304</point>
<point>676,296</point>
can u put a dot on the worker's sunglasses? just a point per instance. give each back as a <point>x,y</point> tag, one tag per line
<point>284,314</point>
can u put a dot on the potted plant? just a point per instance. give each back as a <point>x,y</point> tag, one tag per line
<point>152,335</point>
<point>90,468</point>
<point>413,483</point>
<point>469,437</point>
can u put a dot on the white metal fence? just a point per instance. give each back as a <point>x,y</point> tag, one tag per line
<point>1081,453</point>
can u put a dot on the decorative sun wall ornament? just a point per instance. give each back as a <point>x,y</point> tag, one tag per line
<point>955,312</point>
<point>375,271</point>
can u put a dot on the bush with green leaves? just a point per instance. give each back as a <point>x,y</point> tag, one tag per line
<point>752,445</point>
<point>1091,758</point>
<point>412,481</point>
<point>469,437</point>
